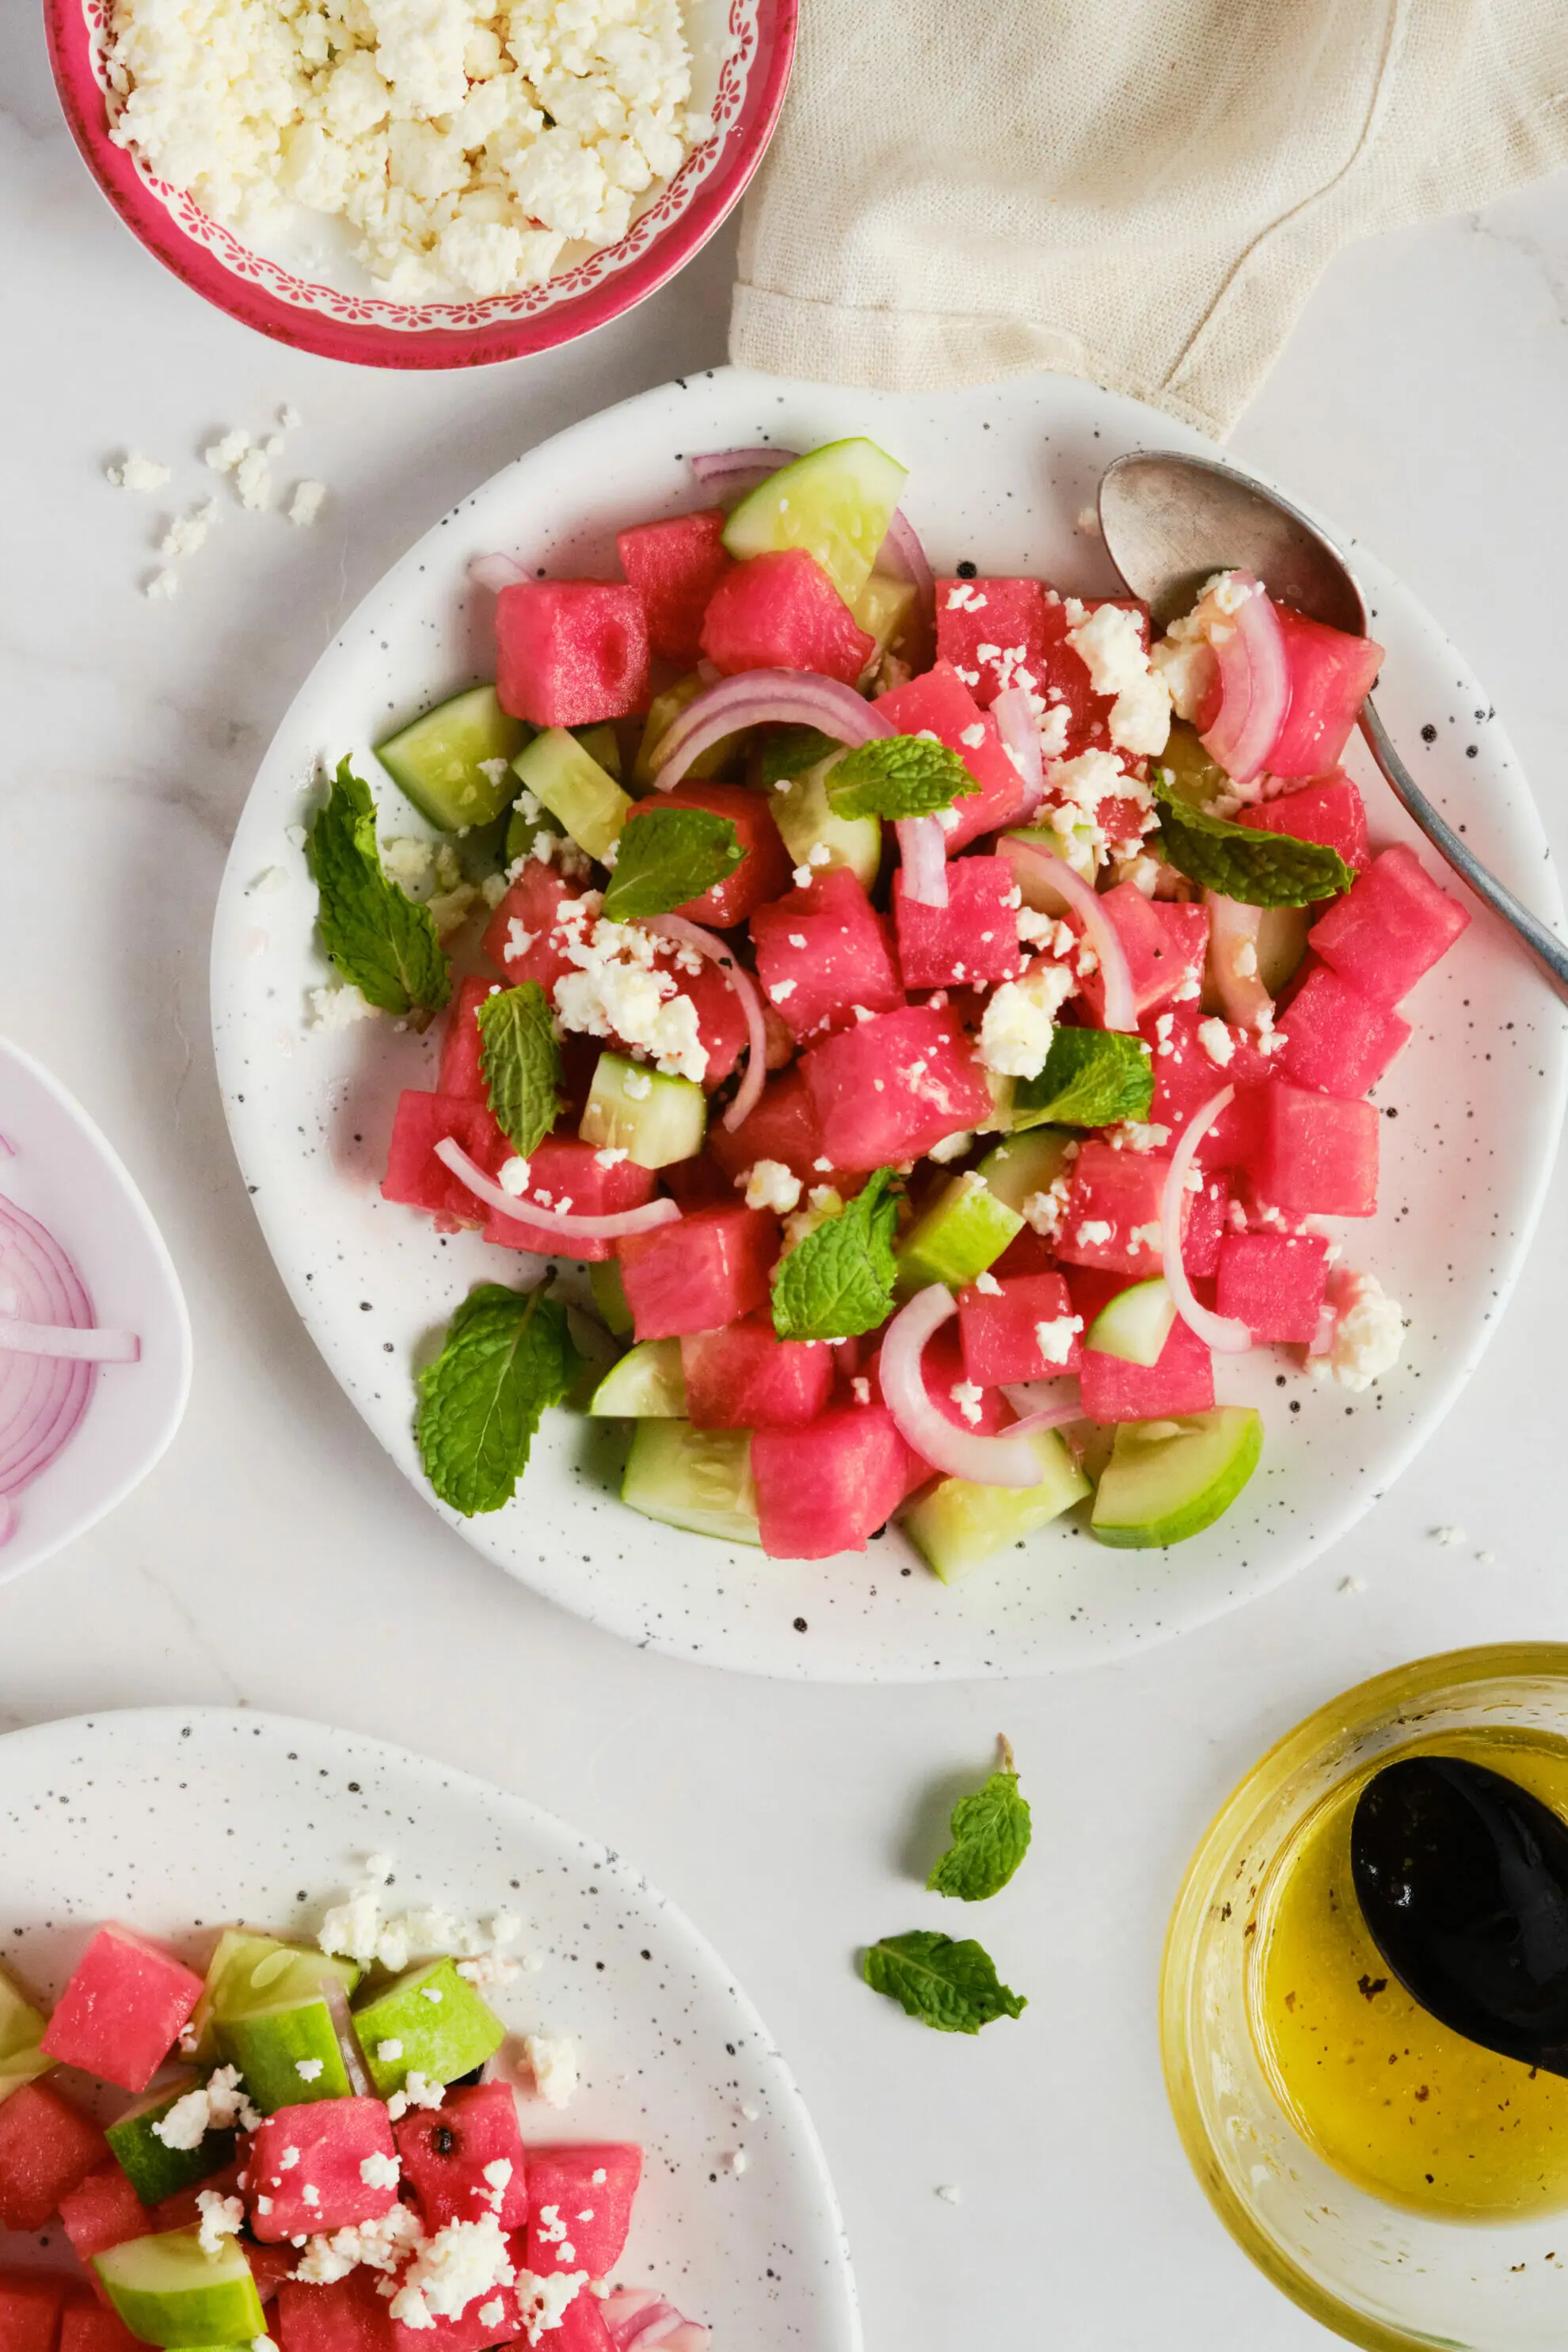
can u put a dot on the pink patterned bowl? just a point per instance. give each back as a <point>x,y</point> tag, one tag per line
<point>741,50</point>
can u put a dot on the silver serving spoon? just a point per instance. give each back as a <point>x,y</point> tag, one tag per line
<point>1171,522</point>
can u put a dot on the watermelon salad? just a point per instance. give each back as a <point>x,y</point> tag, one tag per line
<point>935,1015</point>
<point>306,2151</point>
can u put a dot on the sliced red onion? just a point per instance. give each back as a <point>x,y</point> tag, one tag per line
<point>1255,686</point>
<point>1232,927</point>
<point>1021,737</point>
<point>961,1453</point>
<point>739,469</point>
<point>89,1346</point>
<point>706,943</point>
<point>42,1396</point>
<point>556,1221</point>
<point>903,555</point>
<point>765,698</point>
<point>338,2010</point>
<point>1042,1404</point>
<point>495,573</point>
<point>1121,1005</point>
<point>922,850</point>
<point>1225,1333</point>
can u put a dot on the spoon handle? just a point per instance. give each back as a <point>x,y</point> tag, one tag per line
<point>1545,945</point>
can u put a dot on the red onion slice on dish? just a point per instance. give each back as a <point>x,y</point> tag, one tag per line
<point>1255,685</point>
<point>49,1349</point>
<point>1224,1333</point>
<point>495,573</point>
<point>1232,929</point>
<point>765,698</point>
<point>62,1341</point>
<point>1121,1005</point>
<point>450,1152</point>
<point>1042,1404</point>
<point>922,850</point>
<point>729,470</point>
<point>1021,739</point>
<point>692,935</point>
<point>962,1453</point>
<point>903,555</point>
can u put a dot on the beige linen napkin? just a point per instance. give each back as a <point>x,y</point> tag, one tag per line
<point>1142,192</point>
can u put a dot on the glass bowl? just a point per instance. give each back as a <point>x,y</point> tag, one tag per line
<point>1374,2272</point>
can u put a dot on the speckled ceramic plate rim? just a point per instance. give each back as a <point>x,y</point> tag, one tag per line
<point>881,1617</point>
<point>775,2238</point>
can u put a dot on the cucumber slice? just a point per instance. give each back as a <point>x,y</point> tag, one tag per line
<point>652,1118</point>
<point>591,805</point>
<point>22,2029</point>
<point>610,1298</point>
<point>1281,944</point>
<point>434,2019</point>
<point>882,609</point>
<point>602,744</point>
<point>1197,776</point>
<point>956,1238</point>
<point>700,1479</point>
<point>662,713</point>
<point>270,2045</point>
<point>1075,848</point>
<point>153,2170</point>
<point>837,503</point>
<point>168,2292</point>
<point>248,1972</point>
<point>648,1384</point>
<point>436,759</point>
<point>806,819</point>
<point>1135,1324</point>
<point>957,1526</point>
<point>1167,1480</point>
<point>1026,1164</point>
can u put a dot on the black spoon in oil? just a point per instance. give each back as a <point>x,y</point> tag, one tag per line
<point>1462,1878</point>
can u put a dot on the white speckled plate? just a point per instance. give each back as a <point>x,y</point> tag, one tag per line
<point>175,1819</point>
<point>998,475</point>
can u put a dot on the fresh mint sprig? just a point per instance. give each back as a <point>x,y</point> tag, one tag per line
<point>1092,1078</point>
<point>1240,861</point>
<point>838,1281</point>
<point>667,857</point>
<point>990,1831</point>
<point>791,750</point>
<point>520,1061</point>
<point>508,1354</point>
<point>898,776</point>
<point>951,1986</point>
<point>382,942</point>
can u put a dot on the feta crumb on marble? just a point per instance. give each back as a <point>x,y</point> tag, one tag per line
<point>135,472</point>
<point>307,503</point>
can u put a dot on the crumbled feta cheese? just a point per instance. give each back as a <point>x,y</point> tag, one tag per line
<point>309,2194</point>
<point>290,418</point>
<point>771,1185</point>
<point>782,990</point>
<point>860,1389</point>
<point>1110,643</point>
<point>380,2245</point>
<point>988,1285</point>
<point>552,2059</point>
<point>950,1147</point>
<point>134,472</point>
<point>801,877</point>
<point>616,989</point>
<point>389,2052</point>
<point>738,2161</point>
<point>308,2069</point>
<point>1044,1212</point>
<point>418,2092</point>
<point>1368,1334</point>
<point>307,503</point>
<point>1145,1237</point>
<point>1137,1135</point>
<point>1244,960</point>
<point>1093,1234</point>
<point>1055,1338</point>
<point>1217,1041</point>
<point>461,2263</point>
<point>965,598</point>
<point>949,2194</point>
<point>188,531</point>
<point>967,1395</point>
<point>213,2105</point>
<point>540,2302</point>
<point>160,587</point>
<point>337,1006</point>
<point>253,479</point>
<point>637,1086</point>
<point>221,2218</point>
<point>288,2160</point>
<point>1019,1021</point>
<point>379,2170</point>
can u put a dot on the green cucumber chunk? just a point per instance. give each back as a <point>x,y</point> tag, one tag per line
<point>573,786</point>
<point>1026,1164</point>
<point>882,609</point>
<point>610,1298</point>
<point>1135,1324</point>
<point>965,1227</point>
<point>1167,1480</point>
<point>248,1972</point>
<point>153,2170</point>
<point>22,2029</point>
<point>1075,849</point>
<point>603,745</point>
<point>662,713</point>
<point>436,759</point>
<point>169,2293</point>
<point>806,819</point>
<point>1281,944</point>
<point>435,2022</point>
<point>654,1119</point>
<point>956,1527</point>
<point>270,2046</point>
<point>837,503</point>
<point>699,1479</point>
<point>648,1384</point>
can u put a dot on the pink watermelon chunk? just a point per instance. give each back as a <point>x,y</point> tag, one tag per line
<point>460,1072</point>
<point>1165,943</point>
<point>492,2317</point>
<point>889,1089</point>
<point>122,2010</point>
<point>1182,1381</point>
<point>102,2210</point>
<point>1391,926</point>
<point>783,1127</point>
<point>1186,1074</point>
<point>710,1269</point>
<point>821,952</point>
<point>746,1377</point>
<point>563,1171</point>
<point>31,2303</point>
<point>970,942</point>
<point>584,2329</point>
<point>828,1488</point>
<point>321,2186</point>
<point>1205,1225</point>
<point>1330,676</point>
<point>675,567</point>
<point>1065,677</point>
<point>764,868</point>
<point>1112,1215</point>
<point>570,652</point>
<point>1273,1283</point>
<point>1330,810</point>
<point>1317,1154</point>
<point>992,632</point>
<point>84,2327</point>
<point>999,1329</point>
<point>580,2205</point>
<point>1336,1039</point>
<point>521,938</point>
<point>269,2266</point>
<point>782,612</point>
<point>47,2147</point>
<point>446,2151</point>
<point>347,2316</point>
<point>941,704</point>
<point>416,1178</point>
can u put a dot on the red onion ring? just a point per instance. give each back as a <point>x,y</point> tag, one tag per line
<point>706,943</point>
<point>1021,736</point>
<point>1121,1006</point>
<point>61,1340</point>
<point>961,1453</point>
<point>662,1211</point>
<point>1255,686</point>
<point>1225,1333</point>
<point>738,469</point>
<point>922,849</point>
<point>1232,925</point>
<point>763,698</point>
<point>903,555</point>
<point>495,573</point>
<point>42,1397</point>
<point>1057,1413</point>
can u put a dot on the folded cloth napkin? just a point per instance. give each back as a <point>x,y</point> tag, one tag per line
<point>1142,192</point>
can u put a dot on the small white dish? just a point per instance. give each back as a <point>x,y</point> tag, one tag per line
<point>174,1818</point>
<point>62,1170</point>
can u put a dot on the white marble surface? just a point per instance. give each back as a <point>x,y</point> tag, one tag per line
<point>276,1560</point>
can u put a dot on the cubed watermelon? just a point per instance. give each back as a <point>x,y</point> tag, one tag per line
<point>570,651</point>
<point>1206,1226</point>
<point>940,704</point>
<point>521,938</point>
<point>347,2316</point>
<point>764,868</point>
<point>459,1073</point>
<point>568,1175</point>
<point>782,611</point>
<point>822,951</point>
<point>1022,1329</point>
<point>452,2157</point>
<point>746,1377</point>
<point>710,1269</point>
<point>47,2147</point>
<point>828,1488</point>
<point>30,2306</point>
<point>1273,1283</point>
<point>491,2317</point>
<point>1165,941</point>
<point>993,633</point>
<point>1330,810</point>
<point>1112,1215</point>
<point>181,2210</point>
<point>321,2166</point>
<point>1317,1154</point>
<point>584,2329</point>
<point>122,2010</point>
<point>1064,680</point>
<point>889,1089</point>
<point>416,1178</point>
<point>102,2210</point>
<point>1182,1381</point>
<point>269,2266</point>
<point>580,2205</point>
<point>1330,676</point>
<point>1188,1074</point>
<point>781,1127</point>
<point>85,2327</point>
<point>675,567</point>
<point>973,940</point>
<point>1391,926</point>
<point>1336,1039</point>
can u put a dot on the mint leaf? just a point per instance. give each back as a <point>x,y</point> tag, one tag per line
<point>953,1987</point>
<point>838,1281</point>
<point>521,1063</point>
<point>1091,1077</point>
<point>508,1354</point>
<point>793,749</point>
<point>898,776</point>
<point>1256,868</point>
<point>668,855</point>
<point>380,941</point>
<point>990,1838</point>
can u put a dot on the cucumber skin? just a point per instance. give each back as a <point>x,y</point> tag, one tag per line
<point>645,1385</point>
<point>669,1122</point>
<point>957,1526</point>
<point>1116,1312</point>
<point>480,730</point>
<point>1156,1533</point>
<point>962,1231</point>
<point>662,1463</point>
<point>853,471</point>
